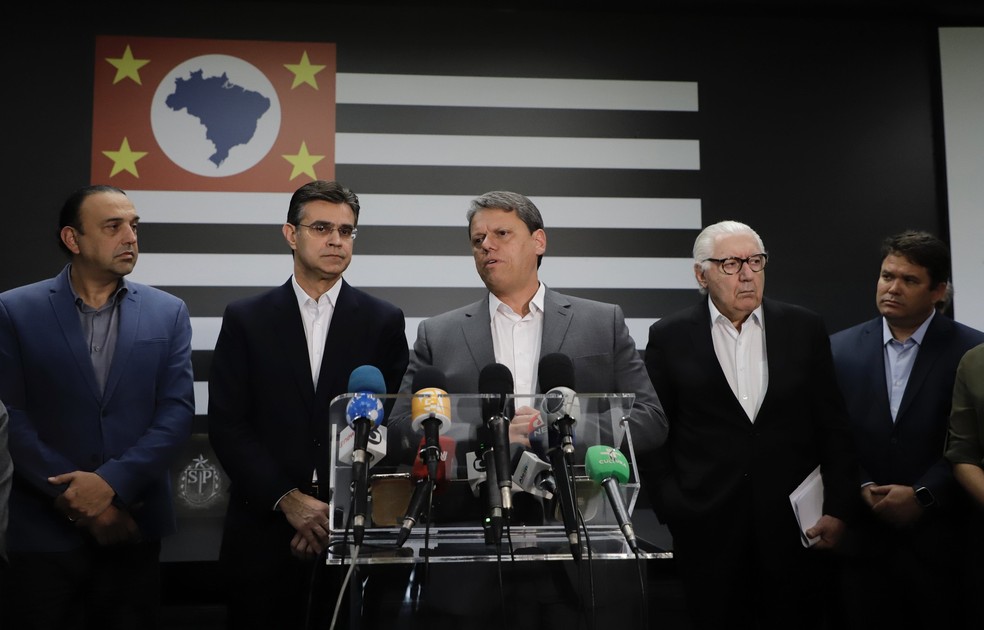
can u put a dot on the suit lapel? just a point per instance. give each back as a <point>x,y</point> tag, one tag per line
<point>704,354</point>
<point>872,368</point>
<point>933,345</point>
<point>477,332</point>
<point>129,314</point>
<point>287,319</point>
<point>67,315</point>
<point>341,335</point>
<point>557,314</point>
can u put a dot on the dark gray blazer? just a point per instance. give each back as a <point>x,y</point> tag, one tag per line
<point>593,334</point>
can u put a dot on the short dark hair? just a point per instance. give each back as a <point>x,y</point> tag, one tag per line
<point>525,209</point>
<point>322,190</point>
<point>923,249</point>
<point>69,215</point>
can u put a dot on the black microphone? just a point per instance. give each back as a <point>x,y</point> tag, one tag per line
<point>556,376</point>
<point>560,404</point>
<point>430,410</point>
<point>496,378</point>
<point>490,487</point>
<point>420,498</point>
<point>364,411</point>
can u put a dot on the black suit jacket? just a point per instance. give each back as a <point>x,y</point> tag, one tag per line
<point>909,450</point>
<point>268,424</point>
<point>718,466</point>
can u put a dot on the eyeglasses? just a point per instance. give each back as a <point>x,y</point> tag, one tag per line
<point>346,232</point>
<point>731,266</point>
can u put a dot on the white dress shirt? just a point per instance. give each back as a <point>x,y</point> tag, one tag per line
<point>516,341</point>
<point>742,357</point>
<point>316,316</point>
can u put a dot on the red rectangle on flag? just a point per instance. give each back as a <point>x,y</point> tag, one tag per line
<point>212,115</point>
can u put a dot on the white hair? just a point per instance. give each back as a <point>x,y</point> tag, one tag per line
<point>704,245</point>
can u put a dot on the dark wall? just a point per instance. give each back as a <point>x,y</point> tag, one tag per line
<point>819,128</point>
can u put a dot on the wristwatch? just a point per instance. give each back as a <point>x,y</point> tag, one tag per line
<point>924,496</point>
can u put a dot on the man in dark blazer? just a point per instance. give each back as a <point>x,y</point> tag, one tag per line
<point>897,374</point>
<point>516,324</point>
<point>96,374</point>
<point>751,398</point>
<point>279,360</point>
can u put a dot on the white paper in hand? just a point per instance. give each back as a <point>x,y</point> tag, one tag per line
<point>807,501</point>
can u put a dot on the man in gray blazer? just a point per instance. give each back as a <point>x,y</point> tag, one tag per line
<point>521,320</point>
<point>516,324</point>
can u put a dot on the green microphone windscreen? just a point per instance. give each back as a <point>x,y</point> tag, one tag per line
<point>602,462</point>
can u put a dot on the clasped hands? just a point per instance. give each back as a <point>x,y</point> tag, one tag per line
<point>88,502</point>
<point>309,517</point>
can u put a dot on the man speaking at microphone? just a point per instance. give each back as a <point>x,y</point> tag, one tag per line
<point>520,321</point>
<point>279,360</point>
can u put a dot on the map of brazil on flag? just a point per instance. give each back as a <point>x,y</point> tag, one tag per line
<point>212,115</point>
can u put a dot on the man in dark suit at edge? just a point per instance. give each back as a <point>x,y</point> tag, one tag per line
<point>752,403</point>
<point>279,360</point>
<point>897,374</point>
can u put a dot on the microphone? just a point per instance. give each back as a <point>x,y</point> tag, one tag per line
<point>426,485</point>
<point>483,481</point>
<point>364,411</point>
<point>560,404</point>
<point>445,461</point>
<point>496,378</point>
<point>376,445</point>
<point>420,498</point>
<point>608,466</point>
<point>531,473</point>
<point>431,410</point>
<point>561,408</point>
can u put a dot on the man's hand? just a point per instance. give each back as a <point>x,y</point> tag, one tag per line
<point>309,517</point>
<point>522,424</point>
<point>895,504</point>
<point>87,496</point>
<point>114,526</point>
<point>830,529</point>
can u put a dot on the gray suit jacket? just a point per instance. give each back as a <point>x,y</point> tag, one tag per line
<point>593,334</point>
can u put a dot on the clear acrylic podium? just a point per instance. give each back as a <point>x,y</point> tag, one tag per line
<point>455,532</point>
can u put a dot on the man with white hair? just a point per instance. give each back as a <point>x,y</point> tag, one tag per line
<point>750,395</point>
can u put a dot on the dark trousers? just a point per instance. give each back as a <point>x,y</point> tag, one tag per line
<point>109,588</point>
<point>734,577</point>
<point>911,578</point>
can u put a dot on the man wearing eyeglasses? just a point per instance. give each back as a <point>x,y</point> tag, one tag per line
<point>279,360</point>
<point>897,373</point>
<point>751,398</point>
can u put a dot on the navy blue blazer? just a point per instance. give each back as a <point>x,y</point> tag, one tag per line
<point>60,421</point>
<point>910,450</point>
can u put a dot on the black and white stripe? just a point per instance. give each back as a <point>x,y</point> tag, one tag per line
<point>613,166</point>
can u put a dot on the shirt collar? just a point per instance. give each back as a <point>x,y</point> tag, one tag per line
<point>536,303</point>
<point>757,317</point>
<point>302,297</point>
<point>121,289</point>
<point>916,336</point>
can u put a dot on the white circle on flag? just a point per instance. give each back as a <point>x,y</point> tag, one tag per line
<point>215,115</point>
